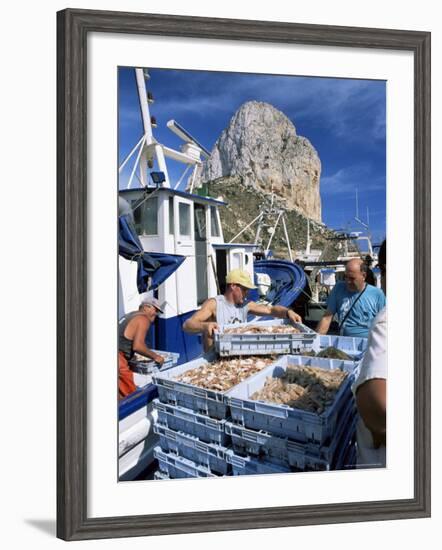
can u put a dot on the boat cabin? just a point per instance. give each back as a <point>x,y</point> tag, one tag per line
<point>175,222</point>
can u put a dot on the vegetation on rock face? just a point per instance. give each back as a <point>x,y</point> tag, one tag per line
<point>245,203</point>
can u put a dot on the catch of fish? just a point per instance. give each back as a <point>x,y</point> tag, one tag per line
<point>224,374</point>
<point>142,359</point>
<point>327,353</point>
<point>309,388</point>
<point>256,329</point>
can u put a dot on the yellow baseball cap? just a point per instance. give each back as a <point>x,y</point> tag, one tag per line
<point>239,277</point>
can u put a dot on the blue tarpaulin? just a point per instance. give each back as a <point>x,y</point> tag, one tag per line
<point>153,267</point>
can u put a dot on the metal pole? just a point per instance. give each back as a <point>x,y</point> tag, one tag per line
<point>145,113</point>
<point>162,163</point>
<point>182,176</point>
<point>246,227</point>
<point>130,154</point>
<point>136,162</point>
<point>192,183</point>
<point>258,230</point>
<point>308,238</point>
<point>287,238</point>
<point>274,230</point>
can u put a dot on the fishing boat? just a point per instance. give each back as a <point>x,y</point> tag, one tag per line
<point>172,245</point>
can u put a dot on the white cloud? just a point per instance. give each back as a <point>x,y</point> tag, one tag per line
<point>348,179</point>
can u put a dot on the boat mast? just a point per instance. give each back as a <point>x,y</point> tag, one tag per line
<point>308,245</point>
<point>141,76</point>
<point>148,148</point>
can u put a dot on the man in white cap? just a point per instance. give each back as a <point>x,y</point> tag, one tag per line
<point>132,330</point>
<point>232,307</point>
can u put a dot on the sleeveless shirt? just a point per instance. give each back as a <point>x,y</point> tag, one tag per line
<point>124,344</point>
<point>228,313</point>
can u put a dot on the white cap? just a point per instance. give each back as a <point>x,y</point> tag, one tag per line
<point>149,300</point>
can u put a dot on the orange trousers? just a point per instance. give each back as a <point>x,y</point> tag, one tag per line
<point>126,384</point>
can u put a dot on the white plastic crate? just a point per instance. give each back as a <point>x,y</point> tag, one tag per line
<point>185,420</point>
<point>281,450</point>
<point>285,421</point>
<point>177,467</point>
<point>209,455</point>
<point>263,344</point>
<point>354,347</point>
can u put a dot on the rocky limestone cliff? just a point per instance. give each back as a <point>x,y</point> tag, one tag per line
<point>261,145</point>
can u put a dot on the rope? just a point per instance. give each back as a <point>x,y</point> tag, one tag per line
<point>146,198</point>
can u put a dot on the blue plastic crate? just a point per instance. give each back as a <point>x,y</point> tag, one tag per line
<point>285,421</point>
<point>201,400</point>
<point>149,367</point>
<point>354,347</point>
<point>350,458</point>
<point>207,454</point>
<point>281,450</point>
<point>263,344</point>
<point>246,465</point>
<point>177,467</point>
<point>185,420</point>
<point>346,449</point>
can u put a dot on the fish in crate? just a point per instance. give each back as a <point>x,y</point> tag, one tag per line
<point>224,374</point>
<point>260,329</point>
<point>303,387</point>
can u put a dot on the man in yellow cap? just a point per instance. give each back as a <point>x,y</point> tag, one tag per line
<point>231,307</point>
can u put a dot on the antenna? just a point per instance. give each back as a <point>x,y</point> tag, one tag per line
<point>357,205</point>
<point>183,134</point>
<point>357,212</point>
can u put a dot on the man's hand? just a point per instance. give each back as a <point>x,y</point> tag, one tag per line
<point>293,317</point>
<point>209,328</point>
<point>324,324</point>
<point>159,359</point>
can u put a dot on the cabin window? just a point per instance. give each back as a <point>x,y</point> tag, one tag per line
<point>150,216</point>
<point>146,216</point>
<point>171,216</point>
<point>214,226</point>
<point>200,222</point>
<point>184,214</point>
<point>236,261</point>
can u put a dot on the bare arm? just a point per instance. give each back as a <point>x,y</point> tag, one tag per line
<point>203,321</point>
<point>139,329</point>
<point>280,312</point>
<point>325,322</point>
<point>200,320</point>
<point>371,399</point>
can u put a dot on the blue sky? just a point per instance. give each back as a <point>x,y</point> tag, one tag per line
<point>344,119</point>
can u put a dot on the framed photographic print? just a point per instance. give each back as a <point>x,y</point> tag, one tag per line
<point>224,187</point>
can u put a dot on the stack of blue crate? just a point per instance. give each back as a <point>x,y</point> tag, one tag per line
<point>191,427</point>
<point>288,437</point>
<point>208,433</point>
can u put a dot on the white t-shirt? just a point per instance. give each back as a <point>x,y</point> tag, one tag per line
<point>373,365</point>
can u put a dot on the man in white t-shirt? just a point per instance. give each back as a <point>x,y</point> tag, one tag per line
<point>370,388</point>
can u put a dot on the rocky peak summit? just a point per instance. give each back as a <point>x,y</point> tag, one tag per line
<point>261,145</point>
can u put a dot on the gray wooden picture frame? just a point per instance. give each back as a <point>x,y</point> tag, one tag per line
<point>73,27</point>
